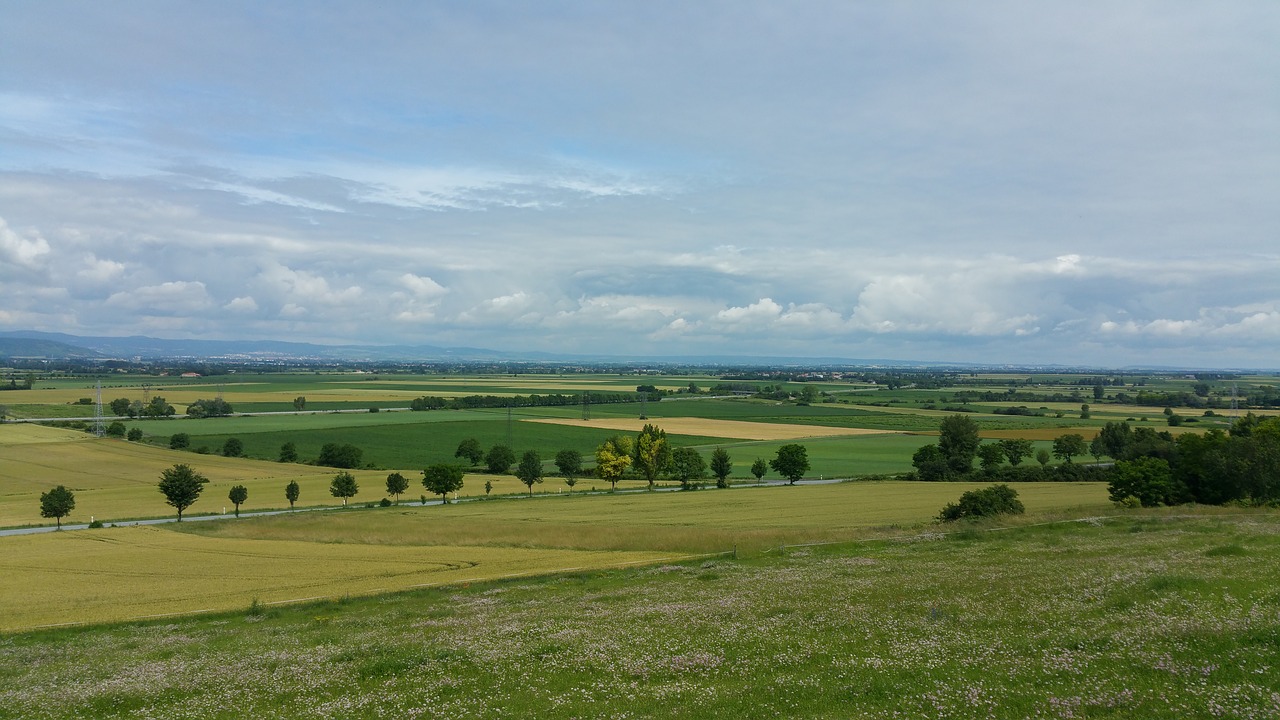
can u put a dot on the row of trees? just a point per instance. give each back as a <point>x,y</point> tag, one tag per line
<point>952,457</point>
<point>650,455</point>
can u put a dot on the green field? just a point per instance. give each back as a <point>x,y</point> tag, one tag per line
<point>1147,615</point>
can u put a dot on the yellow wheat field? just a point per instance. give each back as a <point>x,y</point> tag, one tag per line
<point>125,573</point>
<point>734,429</point>
<point>113,479</point>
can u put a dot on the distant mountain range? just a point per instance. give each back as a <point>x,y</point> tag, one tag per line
<point>30,344</point>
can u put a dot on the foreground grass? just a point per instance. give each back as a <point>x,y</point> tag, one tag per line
<point>1145,616</point>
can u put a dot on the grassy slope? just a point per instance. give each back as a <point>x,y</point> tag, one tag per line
<point>1137,617</point>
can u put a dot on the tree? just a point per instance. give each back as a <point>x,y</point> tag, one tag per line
<point>115,429</point>
<point>288,453</point>
<point>300,403</point>
<point>209,408</point>
<point>1068,446</point>
<point>1115,440</point>
<point>120,406</point>
<point>57,504</point>
<point>569,463</point>
<point>994,500</point>
<point>292,492</point>
<point>339,456</point>
<point>396,485</point>
<point>759,468</point>
<point>1042,457</point>
<point>470,449</point>
<point>1084,411</point>
<point>344,485</point>
<point>1098,392</point>
<point>1097,449</point>
<point>613,457</point>
<point>233,448</point>
<point>808,396</point>
<point>499,459</point>
<point>181,487</point>
<point>688,466</point>
<point>1016,449</point>
<point>1148,479</point>
<point>179,441</point>
<point>990,455</point>
<point>157,408</point>
<point>238,495</point>
<point>721,466</point>
<point>930,463</point>
<point>530,469</point>
<point>652,454</point>
<point>134,435</point>
<point>442,479</point>
<point>958,441</point>
<point>792,462</point>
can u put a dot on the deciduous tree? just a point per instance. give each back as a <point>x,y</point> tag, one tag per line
<point>721,466</point>
<point>1067,446</point>
<point>181,487</point>
<point>958,441</point>
<point>688,467</point>
<point>396,485</point>
<point>530,469</point>
<point>471,450</point>
<point>613,457</point>
<point>179,441</point>
<point>499,459</point>
<point>238,495</point>
<point>652,454</point>
<point>233,447</point>
<point>57,504</point>
<point>344,486</point>
<point>792,462</point>
<point>1016,450</point>
<point>288,453</point>
<point>292,492</point>
<point>569,463</point>
<point>759,469</point>
<point>442,479</point>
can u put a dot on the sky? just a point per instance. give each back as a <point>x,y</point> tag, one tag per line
<point>1066,182</point>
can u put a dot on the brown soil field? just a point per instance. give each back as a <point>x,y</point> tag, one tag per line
<point>734,429</point>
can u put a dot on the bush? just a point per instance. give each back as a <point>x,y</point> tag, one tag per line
<point>95,525</point>
<point>987,502</point>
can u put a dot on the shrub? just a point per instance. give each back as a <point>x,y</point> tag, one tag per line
<point>987,502</point>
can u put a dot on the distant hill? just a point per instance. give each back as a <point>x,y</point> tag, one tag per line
<point>32,348</point>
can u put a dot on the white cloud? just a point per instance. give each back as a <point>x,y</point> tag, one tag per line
<point>422,286</point>
<point>28,252</point>
<point>99,270</point>
<point>170,298</point>
<point>244,304</point>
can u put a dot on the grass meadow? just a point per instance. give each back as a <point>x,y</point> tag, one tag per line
<point>1146,615</point>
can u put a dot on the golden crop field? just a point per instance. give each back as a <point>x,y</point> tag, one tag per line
<point>89,576</point>
<point>115,479</point>
<point>703,521</point>
<point>706,427</point>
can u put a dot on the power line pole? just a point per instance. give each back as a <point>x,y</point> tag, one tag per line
<point>97,415</point>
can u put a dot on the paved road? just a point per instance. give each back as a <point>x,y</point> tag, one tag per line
<point>198,518</point>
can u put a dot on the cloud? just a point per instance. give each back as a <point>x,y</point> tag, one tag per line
<point>99,270</point>
<point>422,286</point>
<point>167,299</point>
<point>244,304</point>
<point>27,252</point>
